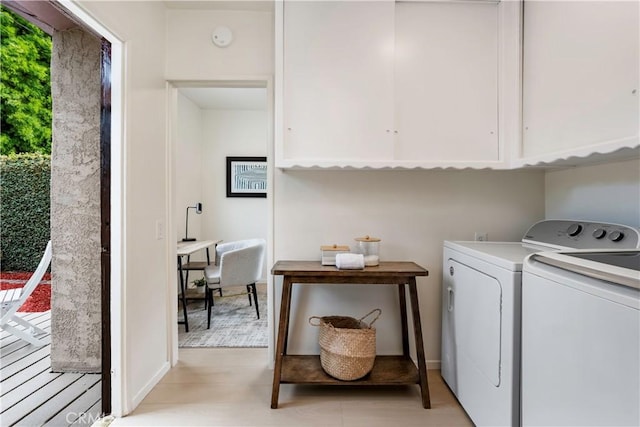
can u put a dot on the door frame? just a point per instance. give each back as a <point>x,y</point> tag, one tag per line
<point>258,81</point>
<point>116,353</point>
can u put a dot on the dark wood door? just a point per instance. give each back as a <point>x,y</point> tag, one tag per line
<point>105,213</point>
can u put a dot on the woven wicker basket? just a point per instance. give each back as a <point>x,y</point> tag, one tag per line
<point>347,345</point>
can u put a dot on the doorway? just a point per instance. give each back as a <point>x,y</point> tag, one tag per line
<point>212,121</point>
<point>110,200</point>
<point>92,56</point>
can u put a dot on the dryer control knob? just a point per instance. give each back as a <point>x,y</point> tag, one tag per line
<point>599,233</point>
<point>616,236</point>
<point>574,230</point>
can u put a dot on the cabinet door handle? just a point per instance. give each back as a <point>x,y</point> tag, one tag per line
<point>450,298</point>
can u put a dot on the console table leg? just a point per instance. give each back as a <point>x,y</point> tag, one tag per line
<point>403,320</point>
<point>283,332</point>
<point>417,328</point>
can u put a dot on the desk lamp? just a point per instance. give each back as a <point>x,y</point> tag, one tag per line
<point>198,208</point>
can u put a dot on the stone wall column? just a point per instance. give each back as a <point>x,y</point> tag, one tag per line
<point>75,202</point>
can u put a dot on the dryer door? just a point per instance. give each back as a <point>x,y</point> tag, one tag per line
<point>449,358</point>
<point>477,316</point>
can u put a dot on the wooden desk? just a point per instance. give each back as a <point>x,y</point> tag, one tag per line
<point>186,249</point>
<point>387,370</point>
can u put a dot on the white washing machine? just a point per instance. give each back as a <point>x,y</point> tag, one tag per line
<point>581,339</point>
<point>481,301</point>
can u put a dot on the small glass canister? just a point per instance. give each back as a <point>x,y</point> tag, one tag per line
<point>329,253</point>
<point>369,247</point>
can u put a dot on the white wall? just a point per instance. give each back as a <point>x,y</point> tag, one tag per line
<point>606,192</point>
<point>145,264</point>
<point>188,169</point>
<point>413,212</point>
<point>232,133</point>
<point>204,139</point>
<point>192,55</point>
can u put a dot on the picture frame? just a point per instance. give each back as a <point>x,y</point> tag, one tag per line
<point>246,177</point>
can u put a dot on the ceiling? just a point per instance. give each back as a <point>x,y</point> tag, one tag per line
<point>226,98</point>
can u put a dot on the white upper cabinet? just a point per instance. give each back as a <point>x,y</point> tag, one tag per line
<point>580,79</point>
<point>446,82</point>
<point>338,81</point>
<point>396,84</point>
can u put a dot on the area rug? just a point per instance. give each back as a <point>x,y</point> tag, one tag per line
<point>233,323</point>
<point>39,300</point>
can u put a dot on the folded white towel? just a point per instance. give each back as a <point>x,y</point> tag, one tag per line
<point>350,261</point>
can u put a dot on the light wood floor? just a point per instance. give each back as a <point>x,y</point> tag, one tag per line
<point>31,395</point>
<point>232,387</point>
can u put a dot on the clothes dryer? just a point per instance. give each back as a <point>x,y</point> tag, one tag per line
<point>481,313</point>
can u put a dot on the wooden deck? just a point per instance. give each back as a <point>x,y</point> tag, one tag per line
<point>32,395</point>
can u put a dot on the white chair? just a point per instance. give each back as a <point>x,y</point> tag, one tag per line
<point>237,264</point>
<point>12,299</point>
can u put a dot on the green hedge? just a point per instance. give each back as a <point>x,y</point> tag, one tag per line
<point>25,210</point>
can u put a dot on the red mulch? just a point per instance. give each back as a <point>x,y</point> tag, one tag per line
<point>40,298</point>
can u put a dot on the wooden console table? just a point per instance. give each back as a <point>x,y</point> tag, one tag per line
<point>387,370</point>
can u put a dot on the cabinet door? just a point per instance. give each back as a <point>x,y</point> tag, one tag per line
<point>338,80</point>
<point>580,81</point>
<point>447,81</point>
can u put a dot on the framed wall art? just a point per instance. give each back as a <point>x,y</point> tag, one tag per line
<point>246,177</point>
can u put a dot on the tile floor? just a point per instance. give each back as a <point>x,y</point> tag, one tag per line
<point>232,387</point>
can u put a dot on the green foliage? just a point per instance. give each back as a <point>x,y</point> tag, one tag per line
<point>25,86</point>
<point>24,210</point>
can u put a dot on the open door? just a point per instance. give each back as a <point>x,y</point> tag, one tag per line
<point>105,215</point>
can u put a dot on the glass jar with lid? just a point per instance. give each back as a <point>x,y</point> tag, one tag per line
<point>369,247</point>
<point>329,253</point>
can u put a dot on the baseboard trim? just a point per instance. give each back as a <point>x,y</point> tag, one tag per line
<point>140,395</point>
<point>433,365</point>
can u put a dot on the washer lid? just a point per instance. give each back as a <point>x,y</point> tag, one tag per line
<point>620,267</point>
<point>623,259</point>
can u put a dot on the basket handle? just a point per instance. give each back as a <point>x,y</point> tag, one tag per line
<point>319,319</point>
<point>370,313</point>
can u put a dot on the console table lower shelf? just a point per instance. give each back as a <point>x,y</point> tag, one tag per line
<point>387,370</point>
